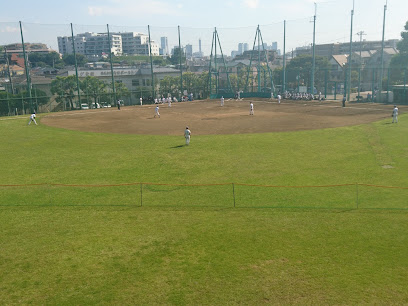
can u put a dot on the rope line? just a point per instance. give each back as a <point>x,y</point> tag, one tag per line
<point>196,185</point>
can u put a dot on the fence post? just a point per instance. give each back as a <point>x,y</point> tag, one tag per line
<point>141,194</point>
<point>356,195</point>
<point>233,192</point>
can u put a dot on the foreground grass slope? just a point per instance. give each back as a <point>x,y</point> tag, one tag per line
<point>65,251</point>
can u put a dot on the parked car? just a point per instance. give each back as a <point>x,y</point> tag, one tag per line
<point>84,106</point>
<point>97,105</point>
<point>105,105</point>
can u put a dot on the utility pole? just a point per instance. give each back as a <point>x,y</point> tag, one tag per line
<point>313,54</point>
<point>382,53</point>
<point>361,33</point>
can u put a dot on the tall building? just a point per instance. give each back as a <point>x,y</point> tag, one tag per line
<point>246,47</point>
<point>199,48</point>
<point>240,48</point>
<point>275,45</point>
<point>164,46</point>
<point>189,51</point>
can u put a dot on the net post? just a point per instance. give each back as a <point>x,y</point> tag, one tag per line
<point>141,194</point>
<point>356,195</point>
<point>233,193</point>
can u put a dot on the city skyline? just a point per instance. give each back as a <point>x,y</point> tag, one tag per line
<point>42,24</point>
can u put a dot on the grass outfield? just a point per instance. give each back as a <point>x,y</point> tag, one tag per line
<point>188,245</point>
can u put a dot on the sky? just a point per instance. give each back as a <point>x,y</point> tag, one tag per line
<point>235,21</point>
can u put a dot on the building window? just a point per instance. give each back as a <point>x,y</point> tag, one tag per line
<point>135,83</point>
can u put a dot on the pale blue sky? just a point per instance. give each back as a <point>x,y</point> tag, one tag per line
<point>236,21</point>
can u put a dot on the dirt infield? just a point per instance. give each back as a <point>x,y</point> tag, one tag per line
<point>208,117</point>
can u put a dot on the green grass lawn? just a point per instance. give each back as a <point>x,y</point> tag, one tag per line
<point>188,244</point>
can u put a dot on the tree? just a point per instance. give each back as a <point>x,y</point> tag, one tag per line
<point>121,90</point>
<point>64,88</point>
<point>303,66</point>
<point>399,62</point>
<point>69,59</point>
<point>93,87</point>
<point>169,85</point>
<point>51,59</point>
<point>175,59</point>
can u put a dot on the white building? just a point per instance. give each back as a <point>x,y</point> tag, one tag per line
<point>137,43</point>
<point>96,44</point>
<point>91,44</point>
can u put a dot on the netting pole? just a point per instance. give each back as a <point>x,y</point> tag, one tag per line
<point>76,66</point>
<point>111,66</point>
<point>267,64</point>
<point>259,60</point>
<point>313,53</point>
<point>284,57</point>
<point>181,67</point>
<point>356,195</point>
<point>26,70</point>
<point>325,83</point>
<point>151,63</point>
<point>233,192</point>
<point>350,53</point>
<point>250,65</point>
<point>141,194</point>
<point>382,53</point>
<point>215,61</point>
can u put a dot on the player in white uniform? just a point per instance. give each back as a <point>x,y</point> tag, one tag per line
<point>157,112</point>
<point>222,101</point>
<point>187,135</point>
<point>32,118</point>
<point>279,98</point>
<point>141,101</point>
<point>395,114</point>
<point>169,100</point>
<point>251,108</point>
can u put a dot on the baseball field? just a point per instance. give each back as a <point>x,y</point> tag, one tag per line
<point>302,203</point>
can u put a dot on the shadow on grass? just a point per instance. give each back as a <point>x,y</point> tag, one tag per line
<point>177,147</point>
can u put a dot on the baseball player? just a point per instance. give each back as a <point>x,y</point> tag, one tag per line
<point>141,101</point>
<point>279,98</point>
<point>187,135</point>
<point>169,101</point>
<point>395,114</point>
<point>251,108</point>
<point>118,104</point>
<point>222,101</point>
<point>32,118</point>
<point>157,112</point>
